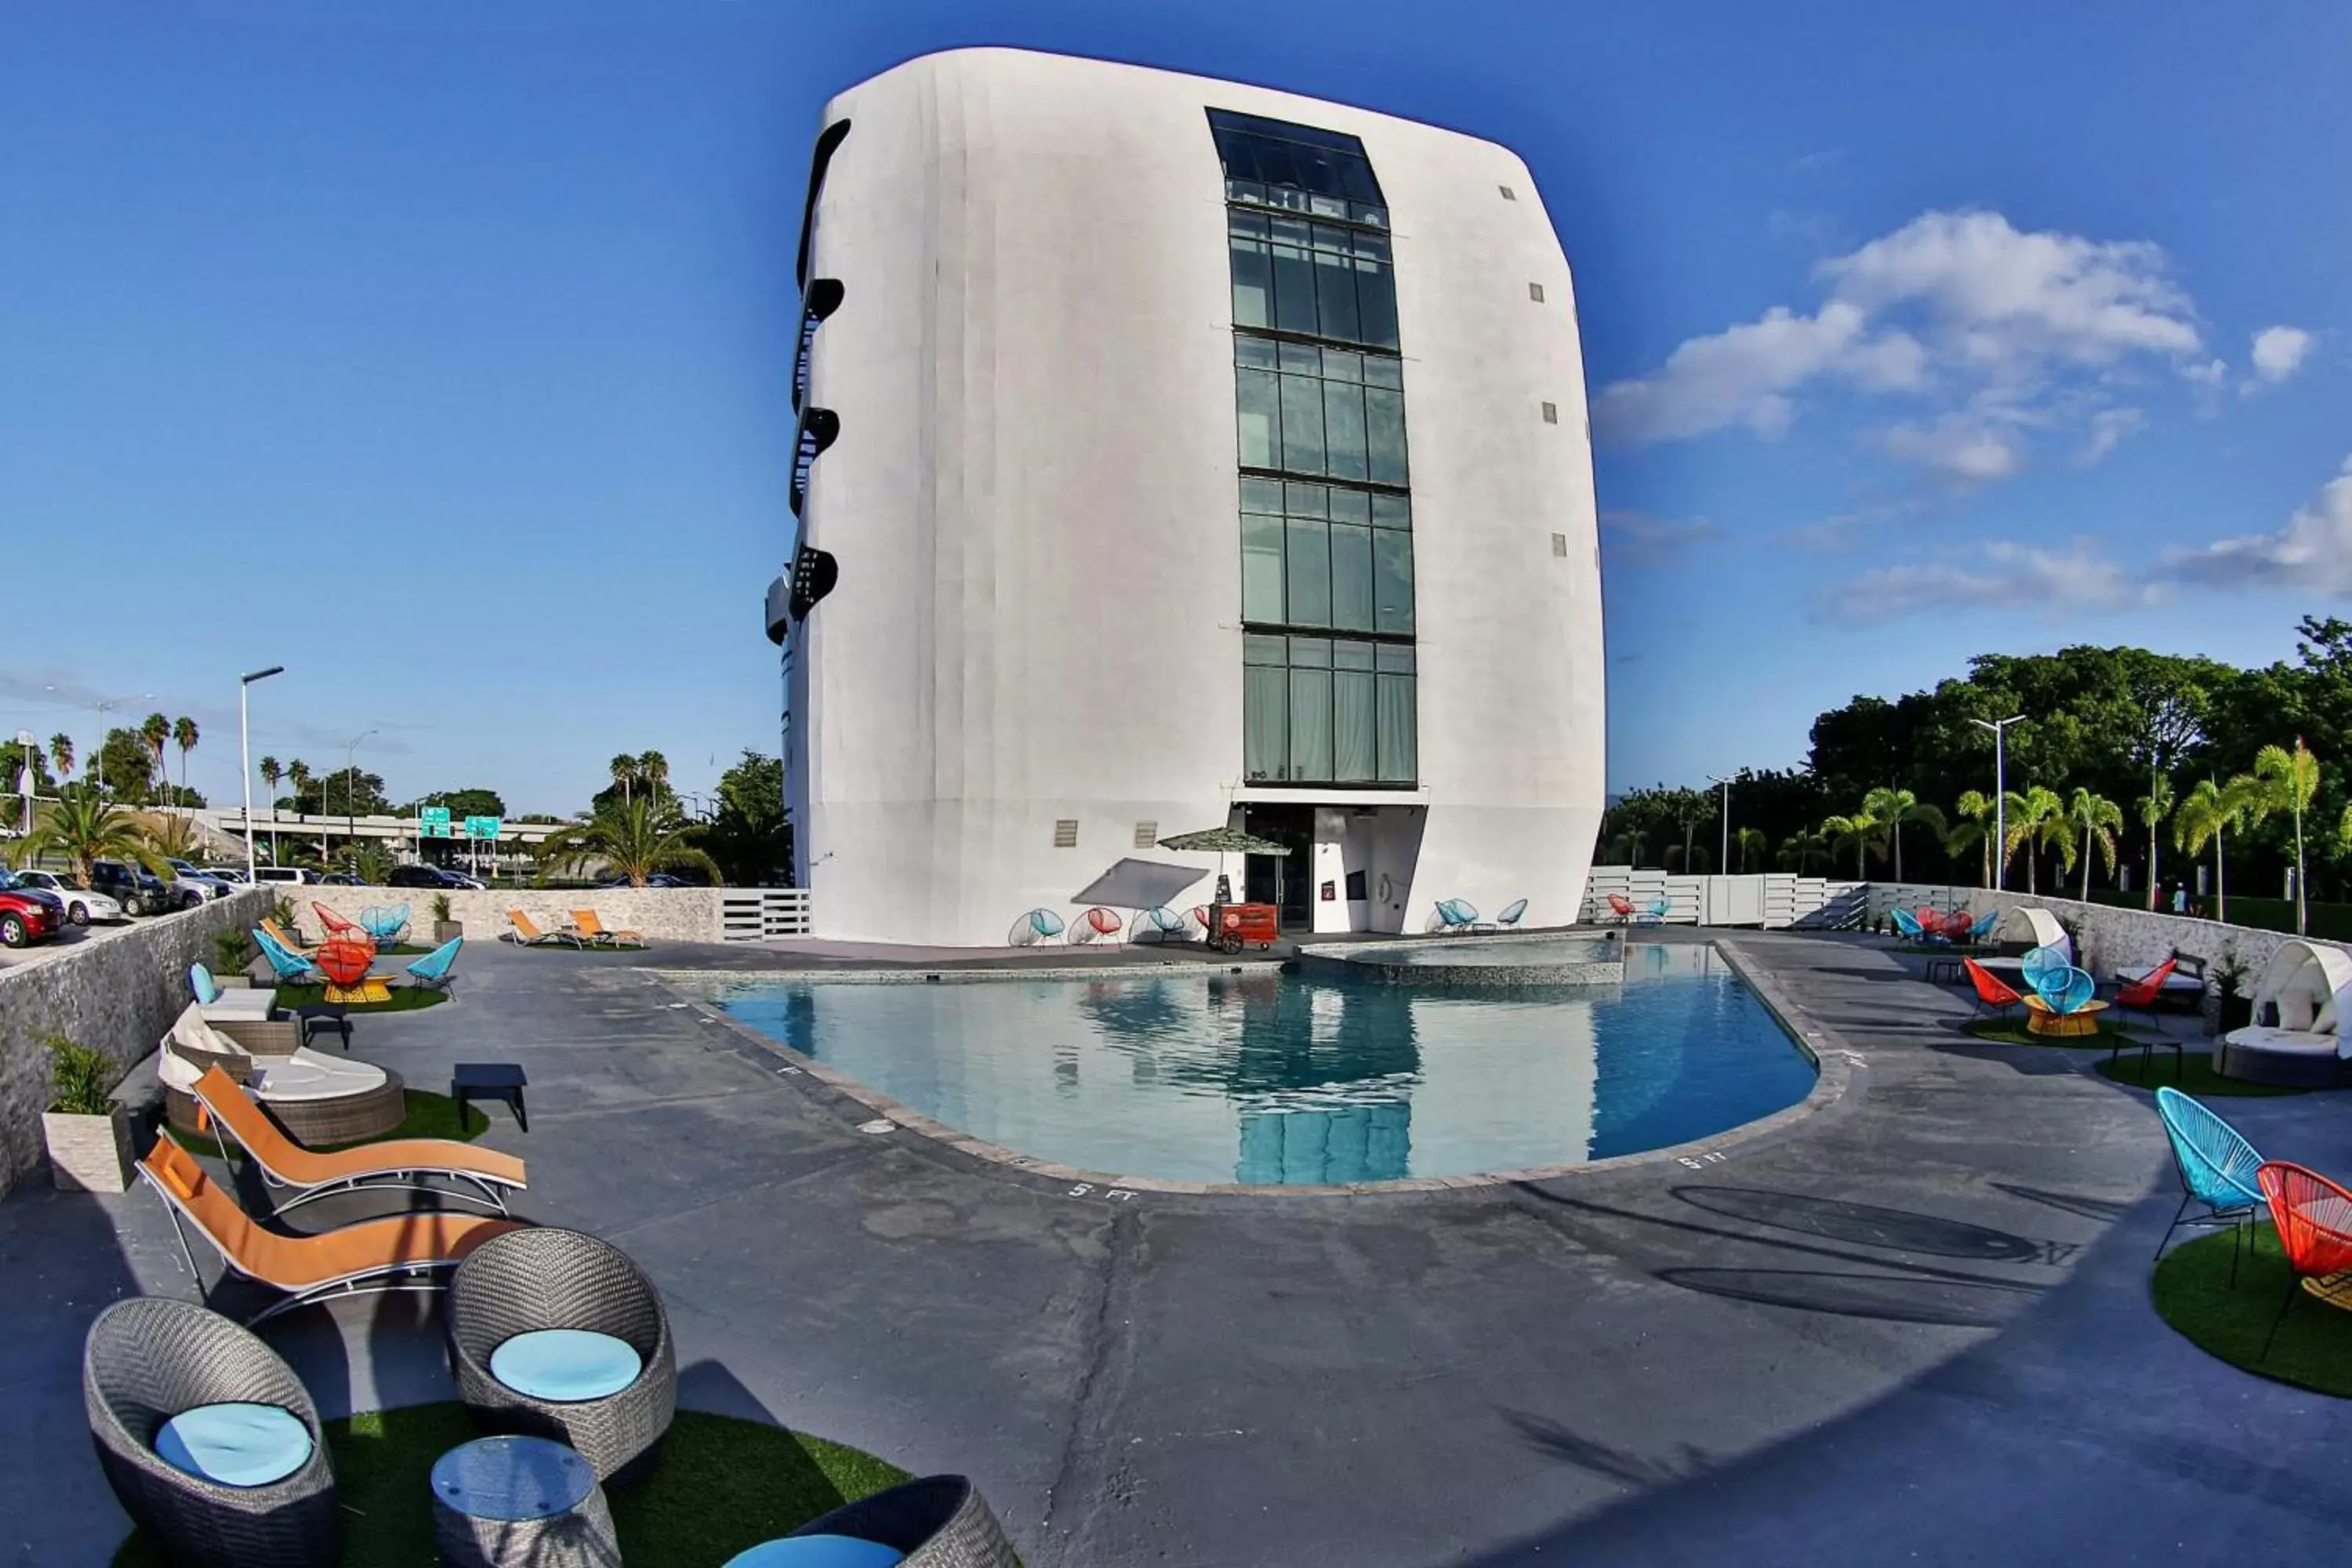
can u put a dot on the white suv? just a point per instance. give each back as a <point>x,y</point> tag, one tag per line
<point>82,906</point>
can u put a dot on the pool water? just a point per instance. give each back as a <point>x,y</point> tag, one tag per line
<point>1456,952</point>
<point>1275,1080</point>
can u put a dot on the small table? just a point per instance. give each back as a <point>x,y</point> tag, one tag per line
<point>489,1080</point>
<point>320,1018</point>
<point>1944,968</point>
<point>2041,1019</point>
<point>520,1502</point>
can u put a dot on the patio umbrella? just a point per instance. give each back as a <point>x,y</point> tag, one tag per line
<point>1225,841</point>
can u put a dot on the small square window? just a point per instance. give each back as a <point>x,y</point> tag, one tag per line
<point>1066,833</point>
<point>1551,413</point>
<point>1559,544</point>
<point>1147,835</point>
<point>1534,292</point>
<point>1508,195</point>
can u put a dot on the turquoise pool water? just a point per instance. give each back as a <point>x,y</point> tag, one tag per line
<point>1283,1081</point>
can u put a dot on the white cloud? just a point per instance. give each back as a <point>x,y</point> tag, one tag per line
<point>2212,372</point>
<point>2110,427</point>
<point>2279,352</point>
<point>2313,552</point>
<point>1637,540</point>
<point>1996,332</point>
<point>2000,575</point>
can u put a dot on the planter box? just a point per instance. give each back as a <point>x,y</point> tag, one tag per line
<point>88,1153</point>
<point>447,931</point>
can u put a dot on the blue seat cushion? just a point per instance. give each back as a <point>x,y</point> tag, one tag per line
<point>235,1445</point>
<point>566,1365</point>
<point>818,1551</point>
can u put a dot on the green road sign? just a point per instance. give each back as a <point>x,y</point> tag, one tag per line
<point>433,822</point>
<point>482,826</point>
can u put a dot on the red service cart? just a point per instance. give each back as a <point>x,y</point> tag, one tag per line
<point>1232,925</point>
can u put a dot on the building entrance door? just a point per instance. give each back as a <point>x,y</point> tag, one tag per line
<point>1286,881</point>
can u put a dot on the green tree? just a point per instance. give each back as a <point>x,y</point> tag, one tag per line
<point>185,736</point>
<point>1897,806</point>
<point>2035,819</point>
<point>2153,808</point>
<point>2207,814</point>
<point>1973,831</point>
<point>1803,850</point>
<point>637,839</point>
<point>156,730</point>
<point>2100,819</point>
<point>84,829</point>
<point>2288,782</point>
<point>748,836</point>
<point>14,760</point>
<point>61,754</point>
<point>297,774</point>
<point>123,769</point>
<point>370,862</point>
<point>1752,845</point>
<point>623,769</point>
<point>461,803</point>
<point>1861,832</point>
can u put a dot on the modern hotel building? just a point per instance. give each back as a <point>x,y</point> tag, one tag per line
<point>1176,454</point>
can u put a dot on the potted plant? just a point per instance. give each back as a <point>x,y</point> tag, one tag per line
<point>444,928</point>
<point>2232,1007</point>
<point>88,1135</point>
<point>233,956</point>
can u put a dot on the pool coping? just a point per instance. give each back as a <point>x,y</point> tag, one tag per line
<point>1836,1081</point>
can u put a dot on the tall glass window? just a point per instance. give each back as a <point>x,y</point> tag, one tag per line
<point>1321,710</point>
<point>1321,411</point>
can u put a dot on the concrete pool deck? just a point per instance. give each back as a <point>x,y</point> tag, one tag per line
<point>1910,1327</point>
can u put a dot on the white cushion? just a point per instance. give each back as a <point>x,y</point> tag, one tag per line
<point>2283,1042</point>
<point>191,1032</point>
<point>2295,1011</point>
<point>309,1075</point>
<point>240,1005</point>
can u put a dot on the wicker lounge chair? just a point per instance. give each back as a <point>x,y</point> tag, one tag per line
<point>2217,1168</point>
<point>2314,1218</point>
<point>398,1252</point>
<point>939,1521</point>
<point>548,1279</point>
<point>398,1164</point>
<point>598,934</point>
<point>526,933</point>
<point>148,1360</point>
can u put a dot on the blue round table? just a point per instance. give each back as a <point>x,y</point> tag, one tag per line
<point>520,1502</point>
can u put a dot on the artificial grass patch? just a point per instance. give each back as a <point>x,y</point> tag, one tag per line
<point>2195,1075</point>
<point>721,1486</point>
<point>2011,1031</point>
<point>426,1115</point>
<point>404,999</point>
<point>2191,1291</point>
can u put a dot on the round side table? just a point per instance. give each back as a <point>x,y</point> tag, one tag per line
<point>520,1502</point>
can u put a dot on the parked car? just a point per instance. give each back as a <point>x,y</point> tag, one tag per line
<point>137,890</point>
<point>193,886</point>
<point>27,915</point>
<point>659,879</point>
<point>233,875</point>
<point>295,874</point>
<point>340,879</point>
<point>81,905</point>
<point>424,876</point>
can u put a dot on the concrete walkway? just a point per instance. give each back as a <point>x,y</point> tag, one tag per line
<point>1910,1328</point>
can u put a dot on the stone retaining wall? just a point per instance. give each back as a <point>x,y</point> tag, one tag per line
<point>118,995</point>
<point>661,914</point>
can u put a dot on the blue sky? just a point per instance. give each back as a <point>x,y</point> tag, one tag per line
<point>439,351</point>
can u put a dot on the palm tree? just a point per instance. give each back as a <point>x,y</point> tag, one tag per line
<point>1800,850</point>
<point>371,863</point>
<point>270,773</point>
<point>635,839</point>
<point>653,772</point>
<point>1865,833</point>
<point>625,774</point>
<point>2153,808</point>
<point>61,754</point>
<point>2100,819</point>
<point>299,774</point>
<point>184,736</point>
<point>2036,818</point>
<point>156,730</point>
<point>2209,813</point>
<point>1751,843</point>
<point>84,830</point>
<point>1975,830</point>
<point>1897,806</point>
<point>2286,780</point>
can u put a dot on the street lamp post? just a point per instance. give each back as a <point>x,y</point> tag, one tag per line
<point>350,772</point>
<point>245,761</point>
<point>1723,867</point>
<point>2000,796</point>
<point>102,709</point>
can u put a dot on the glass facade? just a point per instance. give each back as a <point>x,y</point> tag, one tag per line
<point>1329,685</point>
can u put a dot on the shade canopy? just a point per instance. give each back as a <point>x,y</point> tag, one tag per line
<point>1132,884</point>
<point>1225,841</point>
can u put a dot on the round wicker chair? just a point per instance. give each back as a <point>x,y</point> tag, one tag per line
<point>149,1359</point>
<point>547,1278</point>
<point>939,1522</point>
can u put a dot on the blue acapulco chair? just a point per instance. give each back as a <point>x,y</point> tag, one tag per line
<point>1907,925</point>
<point>2048,963</point>
<point>1513,913</point>
<point>385,922</point>
<point>1039,925</point>
<point>1656,915</point>
<point>1456,915</point>
<point>1983,926</point>
<point>2216,1168</point>
<point>1163,922</point>
<point>431,972</point>
<point>292,968</point>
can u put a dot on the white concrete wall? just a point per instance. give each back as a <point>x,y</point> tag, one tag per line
<point>1034,501</point>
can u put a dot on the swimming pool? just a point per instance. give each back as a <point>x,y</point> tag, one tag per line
<point>1283,1081</point>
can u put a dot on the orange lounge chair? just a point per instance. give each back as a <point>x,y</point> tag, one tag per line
<point>278,934</point>
<point>526,933</point>
<point>393,1165</point>
<point>588,925</point>
<point>398,1252</point>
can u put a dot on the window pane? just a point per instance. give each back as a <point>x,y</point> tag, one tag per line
<point>1266,722</point>
<point>1261,568</point>
<point>1393,581</point>
<point>1392,511</point>
<point>1302,358</point>
<point>1350,506</point>
<point>1257,648</point>
<point>1304,500</point>
<point>1398,724</point>
<point>1396,659</point>
<point>1245,191</point>
<point>1339,364</point>
<point>1356,174</point>
<point>1310,653</point>
<point>1343,430</point>
<point>1375,305</point>
<point>1302,427</point>
<point>1294,289</point>
<point>1352,757</point>
<point>1335,297</point>
<point>1326,238</point>
<point>1352,579</point>
<point>1310,724</point>
<point>1308,577</point>
<point>1252,283</point>
<point>1262,495</point>
<point>1384,419</point>
<point>1378,372</point>
<point>1258,352</point>
<point>1255,401</point>
<point>1250,223</point>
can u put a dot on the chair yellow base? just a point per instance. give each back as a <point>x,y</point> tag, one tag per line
<point>2074,1026</point>
<point>372,989</point>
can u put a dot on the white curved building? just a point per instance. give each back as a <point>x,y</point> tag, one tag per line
<point>1175,454</point>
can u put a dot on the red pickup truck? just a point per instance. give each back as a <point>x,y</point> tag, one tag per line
<point>27,914</point>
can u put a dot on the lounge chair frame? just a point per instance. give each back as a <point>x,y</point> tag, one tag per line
<point>408,1178</point>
